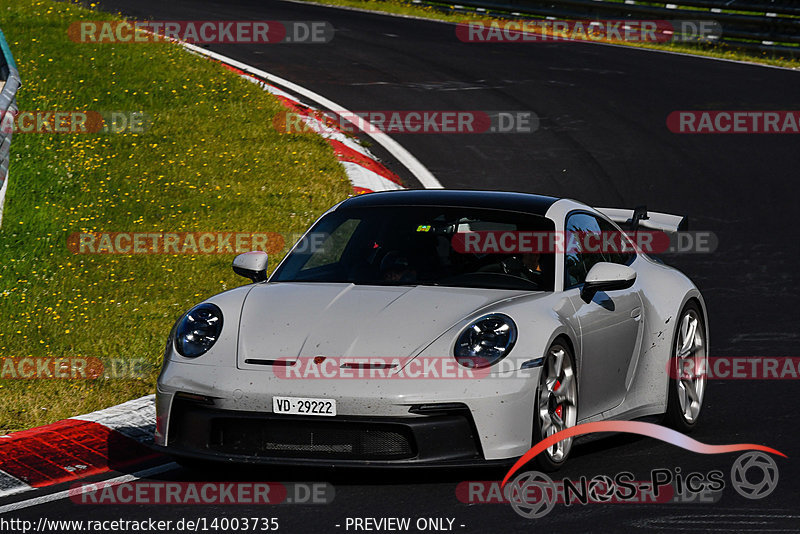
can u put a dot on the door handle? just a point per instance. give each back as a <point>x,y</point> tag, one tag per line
<point>636,313</point>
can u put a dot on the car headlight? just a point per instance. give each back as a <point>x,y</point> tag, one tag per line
<point>486,341</point>
<point>198,330</point>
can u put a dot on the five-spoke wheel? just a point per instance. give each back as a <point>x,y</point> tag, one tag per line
<point>687,382</point>
<point>556,404</point>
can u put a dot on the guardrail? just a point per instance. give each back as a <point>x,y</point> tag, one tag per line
<point>9,84</point>
<point>768,26</point>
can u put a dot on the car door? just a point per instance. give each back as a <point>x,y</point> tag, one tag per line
<point>610,324</point>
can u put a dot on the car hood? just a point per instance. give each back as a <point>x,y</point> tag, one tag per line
<point>290,320</point>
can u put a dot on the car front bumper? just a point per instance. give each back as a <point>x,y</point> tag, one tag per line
<point>446,437</point>
<point>225,414</point>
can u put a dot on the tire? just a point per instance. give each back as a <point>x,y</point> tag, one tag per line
<point>687,389</point>
<point>556,406</point>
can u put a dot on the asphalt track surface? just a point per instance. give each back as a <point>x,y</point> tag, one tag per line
<point>602,139</point>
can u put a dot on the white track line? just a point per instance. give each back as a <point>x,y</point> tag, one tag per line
<point>3,189</point>
<point>135,418</point>
<point>420,172</point>
<point>9,485</point>
<point>65,494</point>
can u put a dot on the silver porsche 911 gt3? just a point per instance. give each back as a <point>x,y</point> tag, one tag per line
<point>436,328</point>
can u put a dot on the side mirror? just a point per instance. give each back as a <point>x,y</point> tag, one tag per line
<point>252,265</point>
<point>606,276</point>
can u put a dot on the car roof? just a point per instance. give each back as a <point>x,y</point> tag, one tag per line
<point>501,200</point>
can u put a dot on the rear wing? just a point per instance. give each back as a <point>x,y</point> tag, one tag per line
<point>640,217</point>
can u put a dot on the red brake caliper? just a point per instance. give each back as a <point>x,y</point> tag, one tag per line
<point>559,408</point>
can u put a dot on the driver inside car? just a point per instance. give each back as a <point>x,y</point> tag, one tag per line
<point>395,268</point>
<point>523,265</point>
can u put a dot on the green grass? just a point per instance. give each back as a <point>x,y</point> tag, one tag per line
<point>211,161</point>
<point>400,7</point>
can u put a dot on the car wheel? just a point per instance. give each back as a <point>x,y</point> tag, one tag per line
<point>687,377</point>
<point>556,405</point>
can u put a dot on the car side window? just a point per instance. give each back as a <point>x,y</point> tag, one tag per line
<point>613,252</point>
<point>577,261</point>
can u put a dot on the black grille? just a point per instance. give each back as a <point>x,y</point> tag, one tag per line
<point>321,439</point>
<point>203,430</point>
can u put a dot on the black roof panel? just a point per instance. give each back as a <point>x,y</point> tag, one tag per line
<point>522,202</point>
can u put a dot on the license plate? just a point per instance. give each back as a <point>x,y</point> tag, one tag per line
<point>304,406</point>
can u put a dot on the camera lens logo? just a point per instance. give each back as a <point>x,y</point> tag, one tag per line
<point>601,488</point>
<point>531,494</point>
<point>747,480</point>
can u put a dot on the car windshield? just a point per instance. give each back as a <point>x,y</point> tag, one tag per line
<point>420,245</point>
